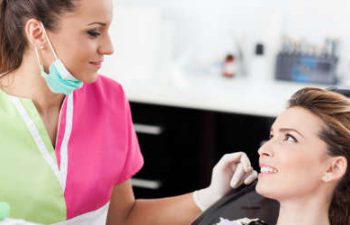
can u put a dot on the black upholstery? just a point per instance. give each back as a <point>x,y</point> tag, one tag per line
<point>239,204</point>
<point>343,91</point>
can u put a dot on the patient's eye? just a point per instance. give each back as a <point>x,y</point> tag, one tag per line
<point>290,138</point>
<point>94,33</point>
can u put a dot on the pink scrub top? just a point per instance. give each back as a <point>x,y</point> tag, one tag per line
<point>96,149</point>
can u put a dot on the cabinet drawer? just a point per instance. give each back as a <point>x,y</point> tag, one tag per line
<point>168,138</point>
<point>148,129</point>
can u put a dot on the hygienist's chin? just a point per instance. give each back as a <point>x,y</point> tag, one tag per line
<point>92,79</point>
<point>91,74</point>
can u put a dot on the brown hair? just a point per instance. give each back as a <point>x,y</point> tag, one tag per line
<point>334,110</point>
<point>13,16</point>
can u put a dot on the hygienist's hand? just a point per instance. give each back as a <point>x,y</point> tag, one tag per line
<point>230,172</point>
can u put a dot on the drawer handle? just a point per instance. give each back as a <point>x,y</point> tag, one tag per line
<point>148,184</point>
<point>148,129</point>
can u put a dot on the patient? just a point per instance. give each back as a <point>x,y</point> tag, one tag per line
<point>304,164</point>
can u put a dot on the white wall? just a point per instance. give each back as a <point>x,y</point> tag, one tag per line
<point>198,32</point>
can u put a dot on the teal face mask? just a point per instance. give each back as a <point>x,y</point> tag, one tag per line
<point>59,79</point>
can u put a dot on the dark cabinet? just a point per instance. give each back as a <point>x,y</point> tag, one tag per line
<point>234,132</point>
<point>169,140</point>
<point>180,146</point>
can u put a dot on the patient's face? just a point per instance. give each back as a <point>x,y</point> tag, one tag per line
<point>294,160</point>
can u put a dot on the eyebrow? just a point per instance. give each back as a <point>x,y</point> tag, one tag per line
<point>98,23</point>
<point>286,129</point>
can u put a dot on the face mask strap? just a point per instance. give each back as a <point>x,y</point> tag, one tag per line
<point>48,40</point>
<point>4,74</point>
<point>38,58</point>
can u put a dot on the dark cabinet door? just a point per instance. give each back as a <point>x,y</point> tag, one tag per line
<point>245,133</point>
<point>168,137</point>
<point>180,146</point>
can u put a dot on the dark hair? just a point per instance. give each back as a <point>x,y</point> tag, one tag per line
<point>334,110</point>
<point>13,16</point>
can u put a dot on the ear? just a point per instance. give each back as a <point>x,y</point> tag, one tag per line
<point>336,169</point>
<point>35,33</point>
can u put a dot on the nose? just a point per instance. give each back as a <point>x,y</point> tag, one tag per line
<point>106,47</point>
<point>265,149</point>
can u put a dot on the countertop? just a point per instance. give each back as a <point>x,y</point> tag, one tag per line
<point>214,93</point>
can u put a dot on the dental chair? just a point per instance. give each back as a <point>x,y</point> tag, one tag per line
<point>244,202</point>
<point>343,91</point>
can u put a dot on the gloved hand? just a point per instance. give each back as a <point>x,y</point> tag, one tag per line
<point>231,171</point>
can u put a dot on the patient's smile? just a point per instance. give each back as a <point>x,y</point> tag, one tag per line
<point>268,170</point>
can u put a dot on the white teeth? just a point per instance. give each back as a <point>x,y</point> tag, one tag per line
<point>268,170</point>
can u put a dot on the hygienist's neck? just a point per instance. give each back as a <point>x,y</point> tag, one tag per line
<point>308,211</point>
<point>26,82</point>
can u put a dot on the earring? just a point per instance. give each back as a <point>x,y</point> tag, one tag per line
<point>326,177</point>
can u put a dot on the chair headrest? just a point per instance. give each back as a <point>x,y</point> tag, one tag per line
<point>343,91</point>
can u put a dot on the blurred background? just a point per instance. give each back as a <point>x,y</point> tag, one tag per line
<point>154,37</point>
<point>208,77</point>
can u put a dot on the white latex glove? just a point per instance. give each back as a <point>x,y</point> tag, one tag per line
<point>231,171</point>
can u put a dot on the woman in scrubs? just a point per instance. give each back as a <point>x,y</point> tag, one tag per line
<point>67,145</point>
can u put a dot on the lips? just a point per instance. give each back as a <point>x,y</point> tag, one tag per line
<point>266,169</point>
<point>96,64</point>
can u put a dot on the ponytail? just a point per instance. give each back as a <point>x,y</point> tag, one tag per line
<point>12,38</point>
<point>13,17</point>
<point>3,5</point>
